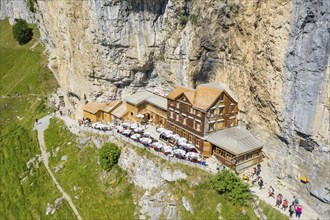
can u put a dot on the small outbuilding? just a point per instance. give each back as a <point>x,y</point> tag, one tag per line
<point>96,111</point>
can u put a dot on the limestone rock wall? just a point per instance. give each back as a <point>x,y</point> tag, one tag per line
<point>14,9</point>
<point>152,177</point>
<point>274,55</point>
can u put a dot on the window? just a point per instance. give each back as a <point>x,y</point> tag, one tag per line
<point>211,112</point>
<point>178,104</point>
<point>191,110</point>
<point>221,110</point>
<point>232,108</point>
<point>221,97</point>
<point>230,122</point>
<point>198,113</point>
<point>190,138</point>
<point>198,142</point>
<point>220,125</point>
<point>177,117</point>
<point>197,126</point>
<point>184,120</point>
<point>211,126</point>
<point>172,115</point>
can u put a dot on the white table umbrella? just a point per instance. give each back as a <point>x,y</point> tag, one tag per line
<point>174,136</point>
<point>126,124</point>
<point>182,140</point>
<point>135,136</point>
<point>139,129</point>
<point>157,145</point>
<point>160,130</point>
<point>139,116</point>
<point>133,126</point>
<point>127,131</point>
<point>167,133</point>
<point>167,149</point>
<point>145,140</point>
<point>147,134</point>
<point>192,155</point>
<point>179,152</point>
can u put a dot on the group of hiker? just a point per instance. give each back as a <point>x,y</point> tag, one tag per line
<point>295,207</point>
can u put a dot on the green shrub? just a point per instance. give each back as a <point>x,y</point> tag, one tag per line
<point>31,5</point>
<point>109,155</point>
<point>183,20</point>
<point>232,187</point>
<point>21,32</point>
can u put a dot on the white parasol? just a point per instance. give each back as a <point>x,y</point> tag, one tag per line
<point>139,116</point>
<point>145,140</point>
<point>128,131</point>
<point>160,130</point>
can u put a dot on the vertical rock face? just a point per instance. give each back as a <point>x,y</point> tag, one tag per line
<point>306,96</point>
<point>15,9</point>
<point>274,55</point>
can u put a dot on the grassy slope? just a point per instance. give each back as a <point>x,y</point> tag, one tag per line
<point>25,72</point>
<point>100,196</point>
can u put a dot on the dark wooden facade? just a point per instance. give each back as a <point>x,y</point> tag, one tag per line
<point>193,123</point>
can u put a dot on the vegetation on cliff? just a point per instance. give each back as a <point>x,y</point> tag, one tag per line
<point>109,155</point>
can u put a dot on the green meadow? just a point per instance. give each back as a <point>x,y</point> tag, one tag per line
<point>24,85</point>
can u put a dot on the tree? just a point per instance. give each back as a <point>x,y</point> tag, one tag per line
<point>21,32</point>
<point>232,186</point>
<point>109,155</point>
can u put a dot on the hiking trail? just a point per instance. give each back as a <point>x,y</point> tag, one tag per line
<point>41,126</point>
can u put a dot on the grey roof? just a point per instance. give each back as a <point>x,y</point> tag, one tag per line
<point>236,140</point>
<point>146,96</point>
<point>220,86</point>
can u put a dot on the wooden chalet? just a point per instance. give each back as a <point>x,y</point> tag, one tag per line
<point>202,115</point>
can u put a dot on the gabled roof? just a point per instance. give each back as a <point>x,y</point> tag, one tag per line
<point>178,91</point>
<point>94,107</point>
<point>111,106</point>
<point>221,86</point>
<point>206,94</point>
<point>236,140</point>
<point>120,111</point>
<point>204,97</point>
<point>146,96</point>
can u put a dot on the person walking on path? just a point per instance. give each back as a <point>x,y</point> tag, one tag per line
<point>298,211</point>
<point>285,204</point>
<point>261,183</point>
<point>271,192</point>
<point>279,200</point>
<point>36,121</point>
<point>295,200</point>
<point>291,210</point>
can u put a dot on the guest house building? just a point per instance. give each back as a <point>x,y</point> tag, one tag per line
<point>207,117</point>
<point>151,106</point>
<point>97,111</point>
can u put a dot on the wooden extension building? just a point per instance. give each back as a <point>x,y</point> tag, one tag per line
<point>96,111</point>
<point>206,117</point>
<point>153,107</point>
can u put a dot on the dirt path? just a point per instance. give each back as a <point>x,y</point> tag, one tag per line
<point>285,189</point>
<point>41,127</point>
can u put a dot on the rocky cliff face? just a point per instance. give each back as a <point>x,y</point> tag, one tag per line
<point>152,177</point>
<point>274,55</point>
<point>15,9</point>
